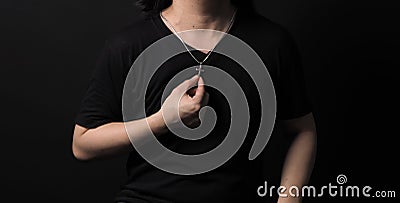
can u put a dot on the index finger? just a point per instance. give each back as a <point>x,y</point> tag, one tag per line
<point>184,86</point>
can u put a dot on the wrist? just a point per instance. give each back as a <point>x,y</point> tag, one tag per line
<point>157,123</point>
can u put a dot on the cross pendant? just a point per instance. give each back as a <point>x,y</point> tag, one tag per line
<point>199,70</point>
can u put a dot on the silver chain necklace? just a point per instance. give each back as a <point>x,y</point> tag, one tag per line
<point>199,69</point>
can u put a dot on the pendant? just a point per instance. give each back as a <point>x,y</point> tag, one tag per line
<point>199,70</point>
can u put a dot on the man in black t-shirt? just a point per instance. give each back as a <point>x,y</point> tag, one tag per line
<point>100,130</point>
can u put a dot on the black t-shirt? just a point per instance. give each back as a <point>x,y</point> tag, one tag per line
<point>238,178</point>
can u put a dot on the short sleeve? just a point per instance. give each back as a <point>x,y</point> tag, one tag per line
<point>101,103</point>
<point>291,93</point>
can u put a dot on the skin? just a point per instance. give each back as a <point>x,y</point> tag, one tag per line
<point>300,157</point>
<point>112,139</point>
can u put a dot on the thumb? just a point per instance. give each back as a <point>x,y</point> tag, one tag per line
<point>199,91</point>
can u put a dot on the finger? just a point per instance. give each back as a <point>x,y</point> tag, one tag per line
<point>184,86</point>
<point>199,91</point>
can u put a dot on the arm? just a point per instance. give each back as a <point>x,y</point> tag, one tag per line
<point>112,138</point>
<point>300,158</point>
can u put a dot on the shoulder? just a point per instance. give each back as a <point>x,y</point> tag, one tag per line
<point>138,33</point>
<point>262,30</point>
<point>122,47</point>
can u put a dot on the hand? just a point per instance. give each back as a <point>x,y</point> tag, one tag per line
<point>185,102</point>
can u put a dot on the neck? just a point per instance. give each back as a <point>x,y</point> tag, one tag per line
<point>199,14</point>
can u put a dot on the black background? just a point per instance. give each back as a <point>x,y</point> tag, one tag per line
<point>350,54</point>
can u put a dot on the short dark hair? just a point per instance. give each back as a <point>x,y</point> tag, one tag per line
<point>155,6</point>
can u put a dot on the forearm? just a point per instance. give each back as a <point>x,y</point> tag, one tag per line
<point>300,157</point>
<point>112,138</point>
